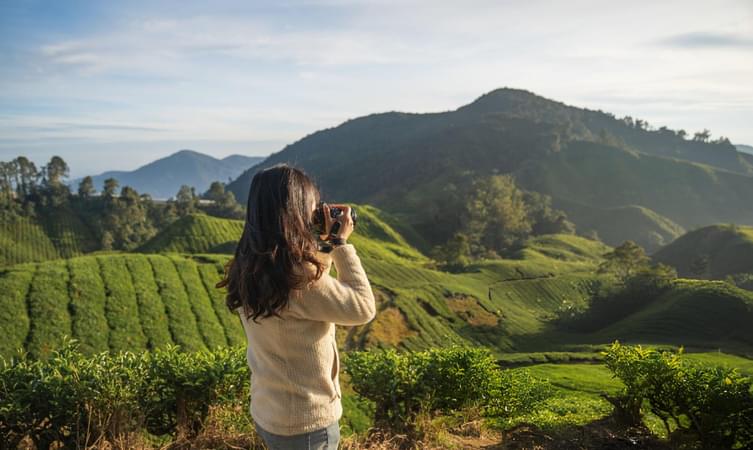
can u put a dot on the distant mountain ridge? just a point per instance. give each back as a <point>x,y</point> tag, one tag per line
<point>590,162</point>
<point>163,177</point>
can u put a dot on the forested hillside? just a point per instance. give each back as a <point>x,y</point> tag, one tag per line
<point>420,166</point>
<point>41,218</point>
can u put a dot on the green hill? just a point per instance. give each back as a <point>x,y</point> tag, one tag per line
<point>616,225</point>
<point>694,312</point>
<point>689,194</point>
<point>142,301</point>
<point>59,233</point>
<point>196,233</point>
<point>711,252</point>
<point>413,166</point>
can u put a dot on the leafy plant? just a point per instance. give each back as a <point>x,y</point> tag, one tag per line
<point>402,385</point>
<point>714,404</point>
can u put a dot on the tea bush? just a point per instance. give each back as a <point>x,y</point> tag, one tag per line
<point>76,400</point>
<point>180,387</point>
<point>68,398</point>
<point>441,379</point>
<point>714,404</point>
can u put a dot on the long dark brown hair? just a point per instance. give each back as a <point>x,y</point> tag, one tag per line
<point>277,241</point>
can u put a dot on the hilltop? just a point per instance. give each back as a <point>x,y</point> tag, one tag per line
<point>58,233</point>
<point>591,163</point>
<point>163,177</point>
<point>711,252</point>
<point>612,225</point>
<point>196,233</point>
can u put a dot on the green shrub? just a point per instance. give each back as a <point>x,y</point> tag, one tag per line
<point>69,398</point>
<point>76,400</point>
<point>437,380</point>
<point>181,387</point>
<point>517,392</point>
<point>714,404</point>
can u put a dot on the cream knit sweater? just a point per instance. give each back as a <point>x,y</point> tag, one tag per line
<point>295,384</point>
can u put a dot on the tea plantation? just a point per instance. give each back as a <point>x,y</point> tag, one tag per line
<point>122,301</point>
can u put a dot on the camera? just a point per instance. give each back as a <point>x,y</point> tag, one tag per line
<point>334,212</point>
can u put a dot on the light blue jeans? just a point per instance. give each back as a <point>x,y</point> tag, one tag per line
<point>326,438</point>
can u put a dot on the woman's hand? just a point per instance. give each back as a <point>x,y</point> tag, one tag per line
<point>346,222</point>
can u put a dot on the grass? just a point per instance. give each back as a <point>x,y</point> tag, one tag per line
<point>57,233</point>
<point>211,274</point>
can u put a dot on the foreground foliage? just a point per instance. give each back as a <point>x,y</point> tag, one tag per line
<point>80,400</point>
<point>712,404</point>
<point>402,385</point>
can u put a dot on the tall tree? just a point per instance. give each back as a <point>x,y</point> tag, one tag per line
<point>27,176</point>
<point>625,260</point>
<point>702,136</point>
<point>109,188</point>
<point>224,203</point>
<point>496,214</point>
<point>186,200</point>
<point>86,187</point>
<point>55,171</point>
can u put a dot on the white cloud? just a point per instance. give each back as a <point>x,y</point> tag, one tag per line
<point>276,75</point>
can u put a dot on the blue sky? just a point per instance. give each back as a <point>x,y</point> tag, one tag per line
<point>114,85</point>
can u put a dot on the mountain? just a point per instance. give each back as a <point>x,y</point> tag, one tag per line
<point>711,252</point>
<point>745,148</point>
<point>418,166</point>
<point>163,178</point>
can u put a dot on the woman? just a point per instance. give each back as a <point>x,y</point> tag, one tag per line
<point>280,285</point>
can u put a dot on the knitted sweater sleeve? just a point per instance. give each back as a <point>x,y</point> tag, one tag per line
<point>345,300</point>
